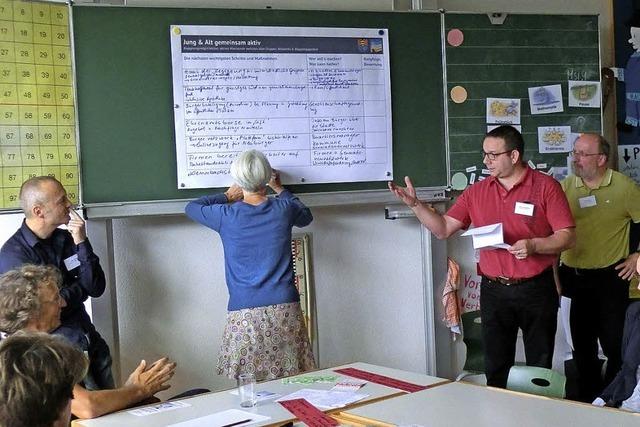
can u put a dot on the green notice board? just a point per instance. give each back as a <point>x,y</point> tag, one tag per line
<point>125,100</point>
<point>503,61</point>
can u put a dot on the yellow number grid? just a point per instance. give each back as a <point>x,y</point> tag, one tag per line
<point>37,114</point>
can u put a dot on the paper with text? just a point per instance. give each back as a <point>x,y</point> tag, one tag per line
<point>316,101</point>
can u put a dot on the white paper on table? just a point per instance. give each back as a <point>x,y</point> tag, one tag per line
<point>349,384</point>
<point>160,407</point>
<point>487,236</point>
<point>260,395</point>
<point>325,399</point>
<point>229,416</point>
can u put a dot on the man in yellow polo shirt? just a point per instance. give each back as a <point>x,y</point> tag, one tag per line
<point>595,273</point>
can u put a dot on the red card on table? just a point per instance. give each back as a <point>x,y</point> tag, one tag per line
<point>381,379</point>
<point>308,414</point>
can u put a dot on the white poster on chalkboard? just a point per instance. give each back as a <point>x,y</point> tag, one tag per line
<point>316,101</point>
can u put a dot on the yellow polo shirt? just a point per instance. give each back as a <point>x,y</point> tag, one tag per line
<point>603,223</point>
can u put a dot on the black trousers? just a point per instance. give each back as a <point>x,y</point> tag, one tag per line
<point>599,300</point>
<point>621,388</point>
<point>531,306</point>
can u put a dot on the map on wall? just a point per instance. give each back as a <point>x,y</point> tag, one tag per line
<point>37,112</point>
<point>315,101</point>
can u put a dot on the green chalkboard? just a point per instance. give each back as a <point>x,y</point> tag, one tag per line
<point>503,61</point>
<point>124,85</point>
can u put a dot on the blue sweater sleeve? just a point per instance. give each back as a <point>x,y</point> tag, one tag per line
<point>301,214</point>
<point>207,210</point>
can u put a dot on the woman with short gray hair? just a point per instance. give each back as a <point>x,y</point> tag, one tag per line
<point>20,298</point>
<point>265,332</point>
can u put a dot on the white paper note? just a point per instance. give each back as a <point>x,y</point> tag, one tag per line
<point>555,139</point>
<point>161,407</point>
<point>505,111</point>
<point>546,99</point>
<point>349,384</point>
<point>584,94</point>
<point>260,395</point>
<point>325,399</point>
<point>487,236</point>
<point>229,416</point>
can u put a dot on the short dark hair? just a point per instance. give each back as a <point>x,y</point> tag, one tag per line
<point>512,138</point>
<point>37,374</point>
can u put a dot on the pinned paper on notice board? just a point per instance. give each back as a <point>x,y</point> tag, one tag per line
<point>546,99</point>
<point>584,94</point>
<point>555,139</point>
<point>504,111</point>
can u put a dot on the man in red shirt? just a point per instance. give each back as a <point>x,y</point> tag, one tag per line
<point>517,290</point>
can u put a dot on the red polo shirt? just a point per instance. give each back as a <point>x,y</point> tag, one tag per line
<point>488,202</point>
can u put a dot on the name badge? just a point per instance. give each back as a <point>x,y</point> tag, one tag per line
<point>587,202</point>
<point>524,209</point>
<point>72,262</point>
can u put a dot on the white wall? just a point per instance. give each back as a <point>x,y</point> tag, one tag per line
<point>367,271</point>
<point>9,223</point>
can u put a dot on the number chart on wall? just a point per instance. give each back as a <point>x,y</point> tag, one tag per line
<point>37,112</point>
<point>316,101</point>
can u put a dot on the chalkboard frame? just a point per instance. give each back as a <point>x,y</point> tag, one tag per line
<point>116,169</point>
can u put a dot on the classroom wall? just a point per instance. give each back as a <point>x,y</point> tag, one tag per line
<point>373,277</point>
<point>368,282</point>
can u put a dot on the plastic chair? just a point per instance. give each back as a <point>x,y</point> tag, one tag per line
<point>535,380</point>
<point>472,337</point>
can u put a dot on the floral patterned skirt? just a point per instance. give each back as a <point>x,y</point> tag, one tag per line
<point>269,342</point>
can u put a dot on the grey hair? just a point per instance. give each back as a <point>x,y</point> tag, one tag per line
<point>31,193</point>
<point>251,170</point>
<point>603,146</point>
<point>20,294</point>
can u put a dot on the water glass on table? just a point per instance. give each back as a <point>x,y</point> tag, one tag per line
<point>247,390</point>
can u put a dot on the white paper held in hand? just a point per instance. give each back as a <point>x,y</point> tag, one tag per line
<point>487,237</point>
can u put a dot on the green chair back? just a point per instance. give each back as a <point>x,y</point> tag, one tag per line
<point>472,337</point>
<point>535,380</point>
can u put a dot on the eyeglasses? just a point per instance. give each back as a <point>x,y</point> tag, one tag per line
<point>493,156</point>
<point>581,154</point>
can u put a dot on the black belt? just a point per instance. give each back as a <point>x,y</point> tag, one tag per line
<point>515,281</point>
<point>588,271</point>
